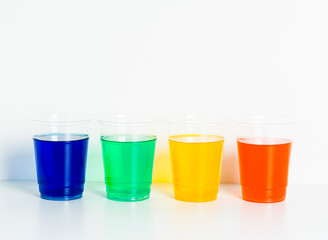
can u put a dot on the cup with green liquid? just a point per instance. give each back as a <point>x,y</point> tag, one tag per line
<point>128,148</point>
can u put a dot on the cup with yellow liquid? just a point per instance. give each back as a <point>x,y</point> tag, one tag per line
<point>196,146</point>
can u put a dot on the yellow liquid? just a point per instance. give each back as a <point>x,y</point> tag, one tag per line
<point>196,166</point>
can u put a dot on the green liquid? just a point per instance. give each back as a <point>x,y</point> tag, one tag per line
<point>128,164</point>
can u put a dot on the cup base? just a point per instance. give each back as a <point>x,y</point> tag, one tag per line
<point>195,198</point>
<point>190,193</point>
<point>127,195</point>
<point>264,196</point>
<point>126,198</point>
<point>60,198</point>
<point>61,194</point>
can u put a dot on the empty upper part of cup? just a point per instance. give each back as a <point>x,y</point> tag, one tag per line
<point>264,126</point>
<point>128,124</point>
<point>196,124</point>
<point>61,123</point>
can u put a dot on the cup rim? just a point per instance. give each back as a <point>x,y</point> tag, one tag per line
<point>264,120</point>
<point>61,118</point>
<point>126,119</point>
<point>196,119</point>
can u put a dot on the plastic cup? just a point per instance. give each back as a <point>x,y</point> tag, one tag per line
<point>60,146</point>
<point>196,146</point>
<point>128,147</point>
<point>264,146</point>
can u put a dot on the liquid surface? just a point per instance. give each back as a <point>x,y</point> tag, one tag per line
<point>128,164</point>
<point>61,162</point>
<point>264,141</point>
<point>128,138</point>
<point>60,137</point>
<point>263,167</point>
<point>196,166</point>
<point>190,138</point>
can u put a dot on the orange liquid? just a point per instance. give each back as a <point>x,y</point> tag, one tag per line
<point>263,165</point>
<point>196,166</point>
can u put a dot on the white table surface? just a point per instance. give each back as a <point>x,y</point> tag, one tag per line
<point>23,215</point>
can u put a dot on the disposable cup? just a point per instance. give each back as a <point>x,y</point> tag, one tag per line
<point>196,146</point>
<point>60,146</point>
<point>264,146</point>
<point>128,148</point>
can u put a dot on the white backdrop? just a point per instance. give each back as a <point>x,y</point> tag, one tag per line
<point>164,57</point>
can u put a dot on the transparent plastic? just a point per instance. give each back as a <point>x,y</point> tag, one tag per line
<point>128,147</point>
<point>264,146</point>
<point>60,146</point>
<point>196,146</point>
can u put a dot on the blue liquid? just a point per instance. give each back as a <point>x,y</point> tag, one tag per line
<point>60,163</point>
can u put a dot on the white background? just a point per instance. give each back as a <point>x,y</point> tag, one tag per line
<point>164,57</point>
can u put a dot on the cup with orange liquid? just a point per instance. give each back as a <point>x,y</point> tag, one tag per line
<point>264,145</point>
<point>196,145</point>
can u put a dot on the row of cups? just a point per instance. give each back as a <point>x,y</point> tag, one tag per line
<point>196,145</point>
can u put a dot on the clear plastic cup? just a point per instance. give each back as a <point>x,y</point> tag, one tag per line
<point>61,146</point>
<point>196,146</point>
<point>264,145</point>
<point>128,147</point>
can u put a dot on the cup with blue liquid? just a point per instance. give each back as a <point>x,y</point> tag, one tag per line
<point>61,146</point>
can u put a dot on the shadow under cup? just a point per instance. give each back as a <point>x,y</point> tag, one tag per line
<point>60,146</point>
<point>264,148</point>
